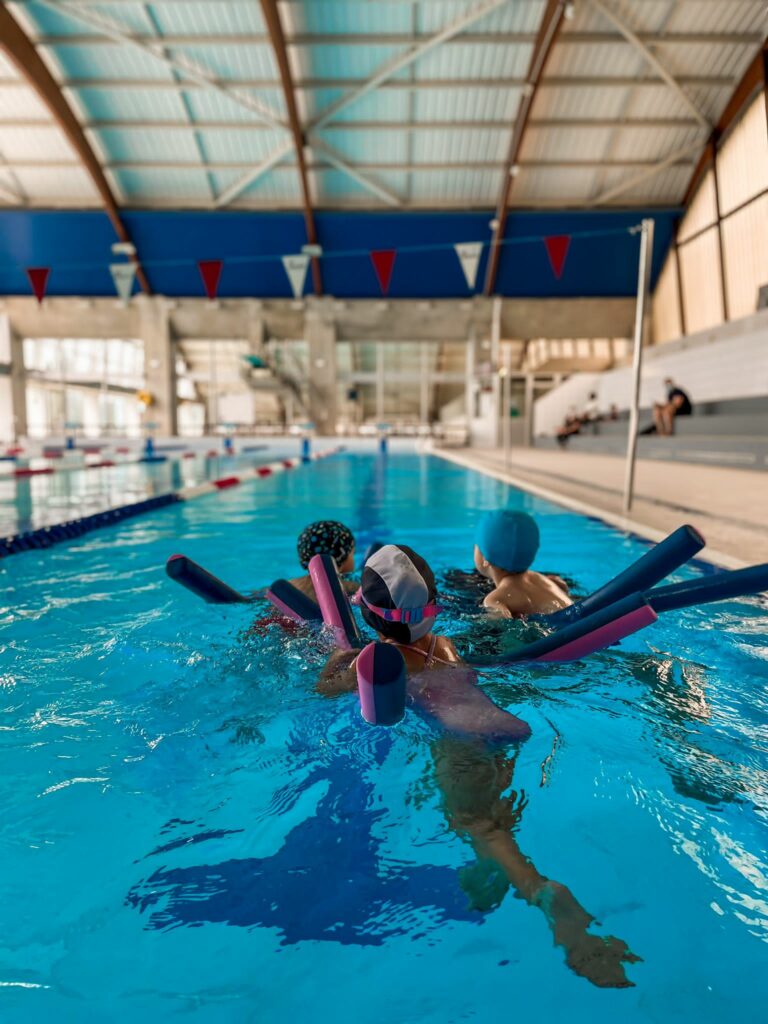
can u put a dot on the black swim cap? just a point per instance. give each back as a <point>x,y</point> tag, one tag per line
<point>325,537</point>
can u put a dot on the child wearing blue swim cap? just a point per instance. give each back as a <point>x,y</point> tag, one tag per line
<point>506,542</point>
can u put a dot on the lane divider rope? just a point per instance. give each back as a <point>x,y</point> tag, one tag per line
<point>46,536</point>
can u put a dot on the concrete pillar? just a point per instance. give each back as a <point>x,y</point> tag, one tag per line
<point>469,384</point>
<point>496,365</point>
<point>13,384</point>
<point>320,334</point>
<point>159,366</point>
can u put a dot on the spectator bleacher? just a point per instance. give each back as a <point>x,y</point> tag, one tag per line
<point>725,372</point>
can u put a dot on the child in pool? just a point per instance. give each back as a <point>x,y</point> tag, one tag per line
<point>326,537</point>
<point>506,543</point>
<point>398,600</point>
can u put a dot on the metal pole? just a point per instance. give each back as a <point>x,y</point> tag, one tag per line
<point>643,290</point>
<point>379,382</point>
<point>529,382</point>
<point>506,401</point>
<point>495,366</point>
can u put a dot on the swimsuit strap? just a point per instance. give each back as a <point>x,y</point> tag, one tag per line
<point>429,656</point>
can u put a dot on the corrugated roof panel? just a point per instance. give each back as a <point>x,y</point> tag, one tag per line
<point>127,104</point>
<point>242,146</point>
<point>466,104</point>
<point>233,62</point>
<point>589,60</point>
<point>549,184</point>
<point>372,147</point>
<point>35,144</point>
<point>351,16</point>
<point>278,186</point>
<point>475,61</point>
<point>46,21</point>
<point>335,187</point>
<point>127,62</point>
<point>172,186</point>
<point>131,17</point>
<point>340,61</point>
<point>584,102</point>
<point>644,16</point>
<point>667,187</point>
<point>460,146</point>
<point>659,100</point>
<point>19,104</point>
<point>8,72</point>
<point>654,143</point>
<point>716,59</point>
<point>207,105</point>
<point>147,146</point>
<point>56,186</point>
<point>733,16</point>
<point>475,188</point>
<point>388,105</point>
<point>209,19</point>
<point>510,17</point>
<point>566,143</point>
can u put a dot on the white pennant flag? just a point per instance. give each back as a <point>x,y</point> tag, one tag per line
<point>123,275</point>
<point>469,257</point>
<point>296,269</point>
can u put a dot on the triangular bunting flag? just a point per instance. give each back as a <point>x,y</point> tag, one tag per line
<point>38,278</point>
<point>123,275</point>
<point>383,261</point>
<point>210,271</point>
<point>469,257</point>
<point>296,269</point>
<point>557,250</point>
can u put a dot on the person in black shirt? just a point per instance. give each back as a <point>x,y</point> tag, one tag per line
<point>678,404</point>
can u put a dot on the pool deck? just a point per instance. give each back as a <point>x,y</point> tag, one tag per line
<point>727,505</point>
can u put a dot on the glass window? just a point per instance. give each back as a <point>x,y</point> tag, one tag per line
<point>702,286</point>
<point>666,303</point>
<point>742,162</point>
<point>745,240</point>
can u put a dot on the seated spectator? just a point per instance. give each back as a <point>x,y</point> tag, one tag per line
<point>664,413</point>
<point>613,412</point>
<point>572,425</point>
<point>591,412</point>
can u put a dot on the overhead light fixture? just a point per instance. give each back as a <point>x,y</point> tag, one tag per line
<point>494,224</point>
<point>570,11</point>
<point>124,249</point>
<point>312,250</point>
<point>514,170</point>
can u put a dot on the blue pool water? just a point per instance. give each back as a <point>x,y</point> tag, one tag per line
<point>188,831</point>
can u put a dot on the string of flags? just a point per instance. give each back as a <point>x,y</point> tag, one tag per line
<point>382,261</point>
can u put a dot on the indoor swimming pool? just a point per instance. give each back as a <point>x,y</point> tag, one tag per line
<point>190,831</point>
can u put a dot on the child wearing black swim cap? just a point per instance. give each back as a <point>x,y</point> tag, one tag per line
<point>326,537</point>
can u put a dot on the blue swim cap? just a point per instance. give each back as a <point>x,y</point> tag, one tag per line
<point>508,539</point>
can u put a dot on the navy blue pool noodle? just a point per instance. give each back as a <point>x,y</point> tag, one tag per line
<point>655,565</point>
<point>566,635</point>
<point>719,587</point>
<point>293,603</point>
<point>201,582</point>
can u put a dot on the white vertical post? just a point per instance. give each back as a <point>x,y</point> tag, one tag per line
<point>529,382</point>
<point>506,401</point>
<point>379,382</point>
<point>643,290</point>
<point>469,384</point>
<point>496,366</point>
<point>425,382</point>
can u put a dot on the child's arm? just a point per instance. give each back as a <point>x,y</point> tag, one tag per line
<point>339,674</point>
<point>500,604</point>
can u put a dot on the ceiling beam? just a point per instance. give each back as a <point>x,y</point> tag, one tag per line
<point>549,29</point>
<point>354,172</point>
<point>541,123</point>
<point>751,82</point>
<point>232,87</point>
<point>17,48</point>
<point>405,59</point>
<point>271,17</point>
<point>651,59</point>
<point>404,39</point>
<point>254,173</point>
<point>333,160</point>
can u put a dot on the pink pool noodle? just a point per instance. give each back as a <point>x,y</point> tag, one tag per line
<point>603,637</point>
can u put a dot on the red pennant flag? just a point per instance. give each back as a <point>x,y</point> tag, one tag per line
<point>210,271</point>
<point>383,261</point>
<point>38,278</point>
<point>557,250</point>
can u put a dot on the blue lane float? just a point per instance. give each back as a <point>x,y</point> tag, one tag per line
<point>721,586</point>
<point>655,565</point>
<point>46,536</point>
